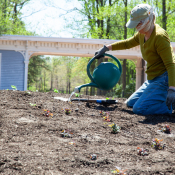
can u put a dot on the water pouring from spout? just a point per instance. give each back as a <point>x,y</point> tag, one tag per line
<point>71,96</point>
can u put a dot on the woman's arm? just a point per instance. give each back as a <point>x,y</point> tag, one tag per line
<point>119,45</point>
<point>109,47</point>
<point>127,43</point>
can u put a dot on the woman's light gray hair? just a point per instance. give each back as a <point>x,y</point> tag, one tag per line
<point>147,22</point>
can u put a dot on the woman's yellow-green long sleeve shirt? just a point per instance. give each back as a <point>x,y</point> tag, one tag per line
<point>157,51</point>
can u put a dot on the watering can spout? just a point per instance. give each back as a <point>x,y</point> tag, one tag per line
<point>78,88</point>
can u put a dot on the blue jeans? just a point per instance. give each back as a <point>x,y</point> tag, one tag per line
<point>150,98</point>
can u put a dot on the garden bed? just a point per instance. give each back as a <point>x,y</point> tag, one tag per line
<point>34,143</point>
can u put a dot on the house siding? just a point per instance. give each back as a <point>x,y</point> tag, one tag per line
<point>12,70</point>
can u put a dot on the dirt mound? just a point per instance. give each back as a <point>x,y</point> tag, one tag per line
<point>33,141</point>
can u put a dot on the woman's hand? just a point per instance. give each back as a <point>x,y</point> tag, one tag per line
<point>101,51</point>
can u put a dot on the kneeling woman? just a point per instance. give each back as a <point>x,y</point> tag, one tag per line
<point>157,94</point>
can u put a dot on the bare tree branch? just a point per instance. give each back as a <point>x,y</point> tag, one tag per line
<point>33,13</point>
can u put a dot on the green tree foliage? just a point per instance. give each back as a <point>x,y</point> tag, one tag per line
<point>70,63</point>
<point>107,19</point>
<point>10,17</point>
<point>102,22</point>
<point>36,65</point>
<point>49,73</point>
<point>79,69</point>
<point>54,62</point>
<point>102,19</point>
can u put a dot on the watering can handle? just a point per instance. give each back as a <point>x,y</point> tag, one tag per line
<point>90,62</point>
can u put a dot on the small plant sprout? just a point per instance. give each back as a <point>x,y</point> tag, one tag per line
<point>77,95</point>
<point>27,92</point>
<point>66,133</point>
<point>47,113</point>
<point>156,143</point>
<point>31,104</point>
<point>55,90</point>
<point>67,110</point>
<point>93,157</point>
<point>109,98</point>
<point>166,129</point>
<point>102,113</point>
<point>114,128</point>
<point>106,118</point>
<point>118,171</point>
<point>142,152</point>
<point>13,87</point>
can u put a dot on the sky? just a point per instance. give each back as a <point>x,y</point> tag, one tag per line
<point>48,17</point>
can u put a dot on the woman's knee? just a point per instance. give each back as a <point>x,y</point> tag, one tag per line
<point>154,109</point>
<point>130,103</point>
<point>137,110</point>
<point>140,109</point>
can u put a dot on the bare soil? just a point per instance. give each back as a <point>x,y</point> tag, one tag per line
<point>32,143</point>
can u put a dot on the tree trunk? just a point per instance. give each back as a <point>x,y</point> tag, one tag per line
<point>87,91</point>
<point>69,85</point>
<point>128,76</point>
<point>44,80</point>
<point>108,23</point>
<point>40,85</point>
<point>51,82</point>
<point>164,17</point>
<point>68,80</point>
<point>57,81</point>
<point>124,61</point>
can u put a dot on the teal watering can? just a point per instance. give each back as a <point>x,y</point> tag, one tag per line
<point>105,76</point>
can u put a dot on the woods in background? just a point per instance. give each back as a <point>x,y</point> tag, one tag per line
<point>10,17</point>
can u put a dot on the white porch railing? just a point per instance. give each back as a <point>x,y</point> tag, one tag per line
<point>30,46</point>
